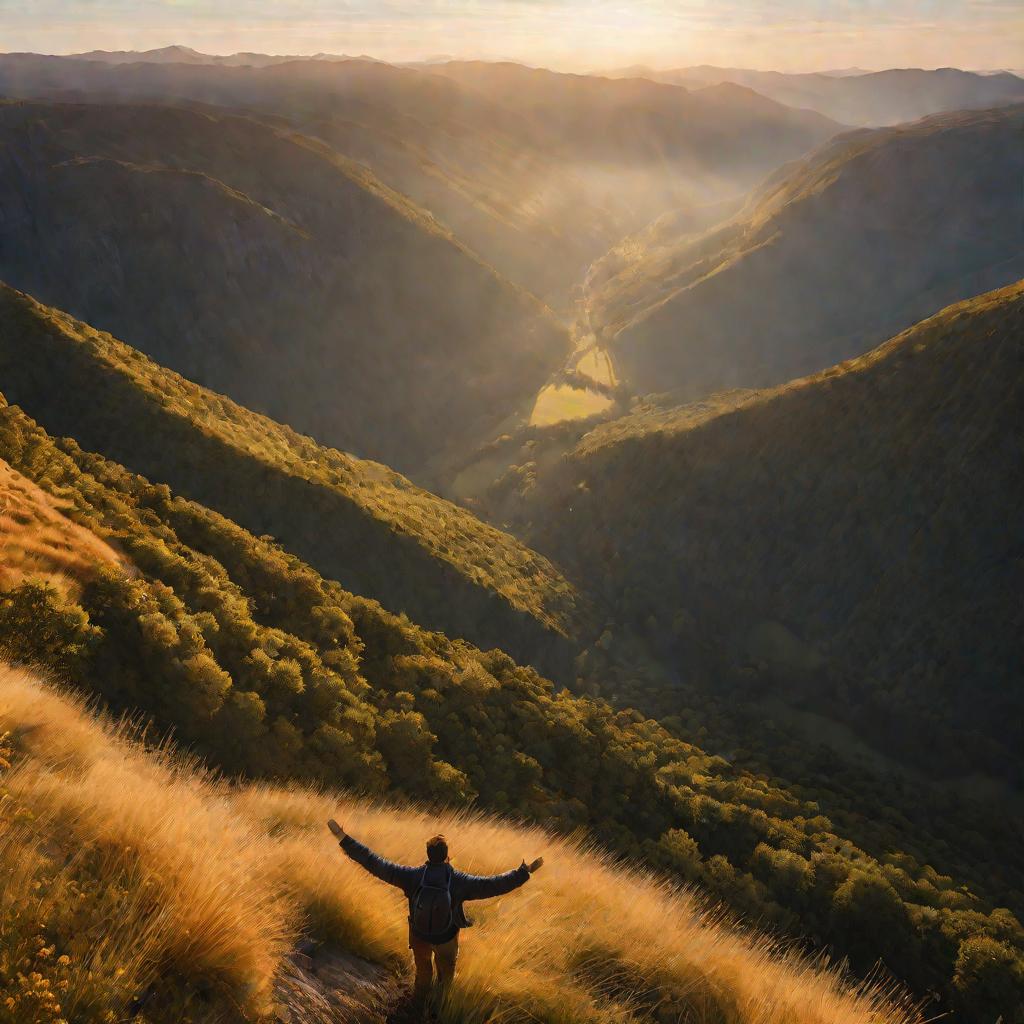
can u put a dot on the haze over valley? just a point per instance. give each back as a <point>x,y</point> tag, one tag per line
<point>601,451</point>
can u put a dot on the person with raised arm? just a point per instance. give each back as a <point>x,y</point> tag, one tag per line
<point>436,892</point>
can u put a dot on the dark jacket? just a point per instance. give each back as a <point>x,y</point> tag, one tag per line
<point>463,887</point>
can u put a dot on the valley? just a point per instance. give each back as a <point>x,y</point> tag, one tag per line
<point>619,466</point>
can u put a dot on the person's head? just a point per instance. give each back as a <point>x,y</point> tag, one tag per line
<point>437,849</point>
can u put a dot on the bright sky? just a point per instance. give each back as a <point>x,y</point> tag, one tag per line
<point>570,34</point>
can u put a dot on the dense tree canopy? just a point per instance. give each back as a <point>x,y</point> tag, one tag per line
<point>267,669</point>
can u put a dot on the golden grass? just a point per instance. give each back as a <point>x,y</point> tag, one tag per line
<point>38,541</point>
<point>217,882</point>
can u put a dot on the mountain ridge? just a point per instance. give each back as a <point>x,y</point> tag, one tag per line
<point>175,53</point>
<point>864,98</point>
<point>842,486</point>
<point>831,255</point>
<point>386,532</point>
<point>537,206</point>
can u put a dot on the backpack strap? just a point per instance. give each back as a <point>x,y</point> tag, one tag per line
<point>450,875</point>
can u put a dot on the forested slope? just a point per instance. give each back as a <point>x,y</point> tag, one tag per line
<point>269,670</point>
<point>831,256</point>
<point>360,522</point>
<point>845,540</point>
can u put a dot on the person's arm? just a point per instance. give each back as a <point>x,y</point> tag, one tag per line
<point>394,874</point>
<point>483,887</point>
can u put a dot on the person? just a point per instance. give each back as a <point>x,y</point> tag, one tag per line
<point>436,893</point>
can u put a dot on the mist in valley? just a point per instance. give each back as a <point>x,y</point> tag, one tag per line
<point>593,430</point>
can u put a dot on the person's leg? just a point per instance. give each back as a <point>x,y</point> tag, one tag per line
<point>422,957</point>
<point>444,957</point>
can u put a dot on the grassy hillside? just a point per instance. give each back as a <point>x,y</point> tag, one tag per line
<point>270,671</point>
<point>202,891</point>
<point>869,98</point>
<point>38,542</point>
<point>831,256</point>
<point>263,264</point>
<point>841,541</point>
<point>359,522</point>
<point>536,200</point>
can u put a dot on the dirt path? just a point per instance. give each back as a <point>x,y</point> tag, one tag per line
<point>324,985</point>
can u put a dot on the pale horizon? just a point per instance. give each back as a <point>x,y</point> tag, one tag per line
<point>567,35</point>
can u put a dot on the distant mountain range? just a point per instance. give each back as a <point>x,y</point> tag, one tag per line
<point>186,55</point>
<point>853,96</point>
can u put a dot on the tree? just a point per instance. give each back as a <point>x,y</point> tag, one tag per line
<point>37,627</point>
<point>988,981</point>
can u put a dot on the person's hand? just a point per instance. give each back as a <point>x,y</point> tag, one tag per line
<point>538,863</point>
<point>337,831</point>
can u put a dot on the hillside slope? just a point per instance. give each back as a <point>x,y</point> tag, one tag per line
<point>269,670</point>
<point>445,147</point>
<point>266,266</point>
<point>238,876</point>
<point>359,522</point>
<point>39,542</point>
<point>830,257</point>
<point>865,98</point>
<point>842,542</point>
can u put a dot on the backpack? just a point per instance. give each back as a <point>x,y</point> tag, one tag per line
<point>433,911</point>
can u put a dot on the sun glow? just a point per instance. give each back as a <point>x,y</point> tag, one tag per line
<point>567,34</point>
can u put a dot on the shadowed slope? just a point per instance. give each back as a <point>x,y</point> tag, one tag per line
<point>270,268</point>
<point>538,189</point>
<point>846,539</point>
<point>831,256</point>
